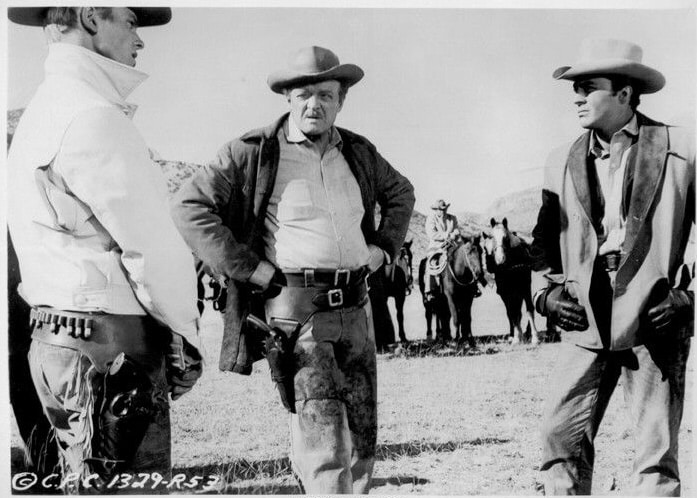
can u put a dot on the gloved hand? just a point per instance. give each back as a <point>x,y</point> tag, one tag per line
<point>677,306</point>
<point>556,304</point>
<point>184,366</point>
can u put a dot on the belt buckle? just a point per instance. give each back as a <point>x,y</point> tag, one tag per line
<point>339,272</point>
<point>335,297</point>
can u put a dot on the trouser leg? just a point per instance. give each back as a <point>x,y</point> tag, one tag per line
<point>583,382</point>
<point>654,392</point>
<point>333,432</point>
<point>67,385</point>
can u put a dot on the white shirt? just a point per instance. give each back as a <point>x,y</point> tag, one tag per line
<point>612,182</point>
<point>88,209</point>
<point>314,215</point>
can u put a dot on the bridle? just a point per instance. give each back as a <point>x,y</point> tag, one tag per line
<point>469,266</point>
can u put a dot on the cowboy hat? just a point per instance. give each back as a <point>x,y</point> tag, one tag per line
<point>440,204</point>
<point>600,56</point>
<point>35,16</point>
<point>311,65</point>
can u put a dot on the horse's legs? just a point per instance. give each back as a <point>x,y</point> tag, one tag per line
<point>466,318</point>
<point>530,311</point>
<point>429,314</point>
<point>513,312</point>
<point>399,305</point>
<point>454,314</point>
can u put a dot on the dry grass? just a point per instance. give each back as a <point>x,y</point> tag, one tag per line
<point>458,424</point>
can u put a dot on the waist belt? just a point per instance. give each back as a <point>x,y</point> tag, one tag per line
<point>100,336</point>
<point>300,303</point>
<point>326,277</point>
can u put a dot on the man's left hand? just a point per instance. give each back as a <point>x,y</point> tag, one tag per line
<point>184,366</point>
<point>377,258</point>
<point>677,306</point>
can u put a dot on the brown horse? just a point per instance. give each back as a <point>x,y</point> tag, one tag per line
<point>460,278</point>
<point>435,306</point>
<point>507,257</point>
<point>398,283</point>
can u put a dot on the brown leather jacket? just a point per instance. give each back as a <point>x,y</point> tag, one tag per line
<point>220,212</point>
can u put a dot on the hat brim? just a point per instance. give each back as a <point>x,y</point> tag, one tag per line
<point>650,79</point>
<point>349,74</point>
<point>34,16</point>
<point>438,207</point>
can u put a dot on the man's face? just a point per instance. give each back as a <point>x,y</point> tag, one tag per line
<point>441,212</point>
<point>314,107</point>
<point>597,104</point>
<point>116,37</point>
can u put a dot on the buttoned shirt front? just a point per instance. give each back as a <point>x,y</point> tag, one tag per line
<point>88,209</point>
<point>611,172</point>
<point>314,215</point>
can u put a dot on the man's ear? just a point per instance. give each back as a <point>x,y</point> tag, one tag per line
<point>625,94</point>
<point>87,17</point>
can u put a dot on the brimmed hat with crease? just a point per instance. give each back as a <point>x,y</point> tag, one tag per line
<point>35,16</point>
<point>311,65</point>
<point>440,204</point>
<point>600,56</point>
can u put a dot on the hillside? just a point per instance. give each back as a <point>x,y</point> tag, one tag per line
<point>519,207</point>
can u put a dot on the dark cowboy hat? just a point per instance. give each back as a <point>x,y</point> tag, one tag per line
<point>35,16</point>
<point>311,65</point>
<point>440,204</point>
<point>602,56</point>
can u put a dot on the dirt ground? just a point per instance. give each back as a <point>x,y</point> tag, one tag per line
<point>448,424</point>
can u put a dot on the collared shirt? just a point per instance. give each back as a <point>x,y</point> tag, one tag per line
<point>611,173</point>
<point>314,215</point>
<point>88,209</point>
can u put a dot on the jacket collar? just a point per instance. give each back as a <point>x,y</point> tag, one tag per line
<point>112,80</point>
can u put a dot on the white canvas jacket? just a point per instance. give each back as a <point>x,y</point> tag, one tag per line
<point>88,209</point>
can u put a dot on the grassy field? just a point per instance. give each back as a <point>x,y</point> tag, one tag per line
<point>448,424</point>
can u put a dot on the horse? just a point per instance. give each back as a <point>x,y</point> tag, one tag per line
<point>507,258</point>
<point>435,306</point>
<point>460,275</point>
<point>398,282</point>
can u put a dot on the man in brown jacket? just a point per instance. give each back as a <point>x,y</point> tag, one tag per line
<point>285,218</point>
<point>611,236</point>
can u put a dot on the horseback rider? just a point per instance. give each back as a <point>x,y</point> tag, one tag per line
<point>443,234</point>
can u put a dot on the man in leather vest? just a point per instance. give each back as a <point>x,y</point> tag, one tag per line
<point>285,218</point>
<point>610,241</point>
<point>110,281</point>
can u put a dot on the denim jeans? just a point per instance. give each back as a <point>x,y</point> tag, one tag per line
<point>65,382</point>
<point>653,380</point>
<point>334,432</point>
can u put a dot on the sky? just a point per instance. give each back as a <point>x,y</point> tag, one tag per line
<point>460,100</point>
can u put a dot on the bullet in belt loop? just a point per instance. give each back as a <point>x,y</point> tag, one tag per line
<point>54,323</point>
<point>71,325</point>
<point>79,324</point>
<point>88,328</point>
<point>62,321</point>
<point>32,318</point>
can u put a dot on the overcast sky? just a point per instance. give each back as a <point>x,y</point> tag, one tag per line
<point>459,100</point>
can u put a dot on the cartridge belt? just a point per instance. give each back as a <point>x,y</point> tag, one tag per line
<point>300,303</point>
<point>101,336</point>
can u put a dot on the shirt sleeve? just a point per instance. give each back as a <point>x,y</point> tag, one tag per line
<point>106,164</point>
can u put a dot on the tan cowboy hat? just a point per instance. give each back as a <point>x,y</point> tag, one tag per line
<point>34,16</point>
<point>440,204</point>
<point>599,56</point>
<point>311,65</point>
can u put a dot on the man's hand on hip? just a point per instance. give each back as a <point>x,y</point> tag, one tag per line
<point>562,309</point>
<point>677,307</point>
<point>267,280</point>
<point>376,259</point>
<point>184,366</point>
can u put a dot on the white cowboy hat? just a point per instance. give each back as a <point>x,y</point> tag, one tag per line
<point>35,16</point>
<point>600,56</point>
<point>311,65</point>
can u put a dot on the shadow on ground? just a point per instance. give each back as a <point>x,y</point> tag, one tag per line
<point>243,476</point>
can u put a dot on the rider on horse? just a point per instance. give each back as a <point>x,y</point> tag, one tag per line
<point>443,234</point>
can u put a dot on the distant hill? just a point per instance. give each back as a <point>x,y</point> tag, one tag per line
<point>520,208</point>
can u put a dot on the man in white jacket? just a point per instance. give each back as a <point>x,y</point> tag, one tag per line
<point>111,283</point>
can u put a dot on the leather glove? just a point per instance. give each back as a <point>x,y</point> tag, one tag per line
<point>675,308</point>
<point>184,366</point>
<point>562,309</point>
<point>277,282</point>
